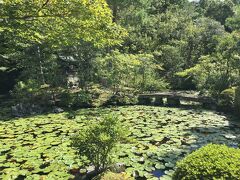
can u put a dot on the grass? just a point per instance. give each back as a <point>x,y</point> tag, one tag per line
<point>39,147</point>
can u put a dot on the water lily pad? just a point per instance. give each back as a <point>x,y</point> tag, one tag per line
<point>31,143</point>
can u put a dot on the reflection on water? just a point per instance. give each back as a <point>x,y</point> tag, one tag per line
<point>158,173</point>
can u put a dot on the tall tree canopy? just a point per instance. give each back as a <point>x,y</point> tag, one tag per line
<point>234,21</point>
<point>58,22</point>
<point>219,10</point>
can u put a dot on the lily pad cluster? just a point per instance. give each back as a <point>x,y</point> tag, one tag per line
<point>39,147</point>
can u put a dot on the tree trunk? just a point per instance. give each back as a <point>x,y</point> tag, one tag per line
<point>40,64</point>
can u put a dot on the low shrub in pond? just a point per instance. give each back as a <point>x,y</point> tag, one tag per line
<point>210,162</point>
<point>97,141</point>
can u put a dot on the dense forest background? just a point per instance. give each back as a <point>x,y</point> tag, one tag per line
<point>87,54</point>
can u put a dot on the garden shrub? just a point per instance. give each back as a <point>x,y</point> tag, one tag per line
<point>210,162</point>
<point>31,98</point>
<point>75,99</point>
<point>226,100</point>
<point>100,95</point>
<point>154,85</point>
<point>122,98</point>
<point>93,96</point>
<point>237,100</point>
<point>97,141</point>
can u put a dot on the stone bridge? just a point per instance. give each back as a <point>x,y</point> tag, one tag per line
<point>174,98</point>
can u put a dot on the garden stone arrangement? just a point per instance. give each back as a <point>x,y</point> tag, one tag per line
<point>38,147</point>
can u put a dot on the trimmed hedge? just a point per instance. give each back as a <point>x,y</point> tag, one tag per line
<point>210,162</point>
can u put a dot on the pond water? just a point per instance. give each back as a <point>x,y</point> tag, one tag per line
<point>158,173</point>
<point>39,147</point>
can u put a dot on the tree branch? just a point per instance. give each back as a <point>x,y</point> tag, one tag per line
<point>32,17</point>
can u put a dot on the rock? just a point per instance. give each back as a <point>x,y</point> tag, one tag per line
<point>90,169</point>
<point>58,110</point>
<point>135,174</point>
<point>118,168</point>
<point>141,160</point>
<point>21,110</point>
<point>230,136</point>
<point>83,171</point>
<point>15,111</point>
<point>234,145</point>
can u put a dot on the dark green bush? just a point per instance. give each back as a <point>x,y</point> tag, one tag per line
<point>93,96</point>
<point>75,99</point>
<point>210,162</point>
<point>122,98</point>
<point>31,92</point>
<point>98,140</point>
<point>154,85</point>
<point>237,100</point>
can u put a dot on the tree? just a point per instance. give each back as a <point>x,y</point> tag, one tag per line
<point>119,6</point>
<point>200,39</point>
<point>58,22</point>
<point>234,21</point>
<point>138,72</point>
<point>219,70</point>
<point>97,141</point>
<point>161,6</point>
<point>218,10</point>
<point>36,33</point>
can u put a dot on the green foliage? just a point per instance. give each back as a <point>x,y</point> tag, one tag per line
<point>218,71</point>
<point>97,141</point>
<point>57,40</point>
<point>177,36</point>
<point>237,100</point>
<point>75,99</point>
<point>226,99</point>
<point>139,72</point>
<point>31,92</point>
<point>234,21</point>
<point>122,98</point>
<point>210,162</point>
<point>114,176</point>
<point>218,10</point>
<point>93,96</point>
<point>34,35</point>
<point>53,21</point>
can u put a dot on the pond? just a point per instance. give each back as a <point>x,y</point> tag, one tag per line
<point>39,147</point>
